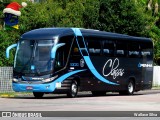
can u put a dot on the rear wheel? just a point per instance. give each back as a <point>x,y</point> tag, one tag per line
<point>73,90</point>
<point>130,89</point>
<point>38,95</point>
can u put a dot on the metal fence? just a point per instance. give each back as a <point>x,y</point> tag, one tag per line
<point>6,75</point>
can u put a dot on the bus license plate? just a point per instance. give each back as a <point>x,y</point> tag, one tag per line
<point>29,88</point>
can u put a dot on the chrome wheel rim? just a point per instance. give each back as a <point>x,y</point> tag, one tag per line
<point>130,87</point>
<point>74,88</point>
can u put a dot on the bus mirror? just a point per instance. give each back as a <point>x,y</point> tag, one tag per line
<point>9,48</point>
<point>54,49</point>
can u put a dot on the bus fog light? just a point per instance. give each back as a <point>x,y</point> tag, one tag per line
<point>58,84</point>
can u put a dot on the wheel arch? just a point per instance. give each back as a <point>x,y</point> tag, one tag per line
<point>77,79</point>
<point>132,78</point>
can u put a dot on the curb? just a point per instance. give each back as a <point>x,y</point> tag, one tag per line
<point>155,88</point>
<point>7,96</point>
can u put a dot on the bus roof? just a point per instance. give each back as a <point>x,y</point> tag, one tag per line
<point>112,35</point>
<point>45,33</point>
<point>49,33</point>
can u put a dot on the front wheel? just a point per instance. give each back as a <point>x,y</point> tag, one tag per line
<point>38,95</point>
<point>73,90</point>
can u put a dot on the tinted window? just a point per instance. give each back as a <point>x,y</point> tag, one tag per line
<point>63,53</point>
<point>108,48</point>
<point>44,52</point>
<point>94,46</point>
<point>121,48</point>
<point>75,55</point>
<point>80,42</point>
<point>146,49</point>
<point>133,49</point>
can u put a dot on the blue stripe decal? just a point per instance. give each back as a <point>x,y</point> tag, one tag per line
<point>47,87</point>
<point>88,61</point>
<point>77,31</point>
<point>63,77</point>
<point>94,71</point>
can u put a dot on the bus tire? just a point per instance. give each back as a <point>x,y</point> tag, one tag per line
<point>130,89</point>
<point>73,90</point>
<point>98,93</point>
<point>38,95</point>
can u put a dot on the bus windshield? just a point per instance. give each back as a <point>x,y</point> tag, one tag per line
<point>33,56</point>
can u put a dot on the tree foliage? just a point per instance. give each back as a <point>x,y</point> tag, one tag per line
<point>91,14</point>
<point>121,17</point>
<point>130,17</point>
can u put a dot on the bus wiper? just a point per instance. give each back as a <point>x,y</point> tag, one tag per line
<point>34,50</point>
<point>32,56</point>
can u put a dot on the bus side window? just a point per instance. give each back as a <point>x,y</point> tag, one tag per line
<point>133,50</point>
<point>94,46</point>
<point>108,48</point>
<point>63,53</point>
<point>146,50</point>
<point>60,59</point>
<point>75,50</point>
<point>121,48</point>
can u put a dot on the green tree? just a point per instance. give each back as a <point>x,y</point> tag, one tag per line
<point>121,17</point>
<point>153,26</point>
<point>130,17</point>
<point>6,39</point>
<point>73,14</point>
<point>91,14</point>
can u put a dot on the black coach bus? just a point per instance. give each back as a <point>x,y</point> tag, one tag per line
<point>68,60</point>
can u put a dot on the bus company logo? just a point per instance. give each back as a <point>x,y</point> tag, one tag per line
<point>144,65</point>
<point>114,70</point>
<point>37,78</point>
<point>82,62</point>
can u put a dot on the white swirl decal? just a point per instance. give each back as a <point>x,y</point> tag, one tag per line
<point>113,65</point>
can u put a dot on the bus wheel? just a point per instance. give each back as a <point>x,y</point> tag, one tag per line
<point>38,95</point>
<point>130,88</point>
<point>73,90</point>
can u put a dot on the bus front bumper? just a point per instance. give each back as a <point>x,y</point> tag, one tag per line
<point>48,87</point>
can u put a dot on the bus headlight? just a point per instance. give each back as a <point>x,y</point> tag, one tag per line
<point>47,80</point>
<point>15,80</point>
<point>50,79</point>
